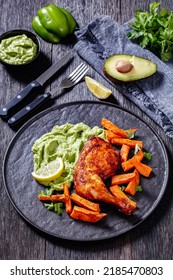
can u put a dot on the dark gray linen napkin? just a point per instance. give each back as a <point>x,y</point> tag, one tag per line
<point>154,95</point>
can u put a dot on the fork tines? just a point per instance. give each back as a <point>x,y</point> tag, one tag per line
<point>78,73</point>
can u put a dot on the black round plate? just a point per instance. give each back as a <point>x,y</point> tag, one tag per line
<point>23,189</point>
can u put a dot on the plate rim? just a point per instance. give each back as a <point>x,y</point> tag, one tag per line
<point>66,104</point>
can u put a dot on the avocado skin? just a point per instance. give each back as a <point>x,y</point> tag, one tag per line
<point>119,81</point>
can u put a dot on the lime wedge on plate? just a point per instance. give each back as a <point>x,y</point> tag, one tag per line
<point>99,90</point>
<point>49,172</point>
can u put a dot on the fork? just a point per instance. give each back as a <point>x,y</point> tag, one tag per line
<point>74,78</point>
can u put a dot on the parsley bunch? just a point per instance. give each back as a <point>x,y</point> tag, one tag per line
<point>153,30</point>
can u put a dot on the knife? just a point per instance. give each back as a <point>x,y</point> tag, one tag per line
<point>38,83</point>
<point>47,96</point>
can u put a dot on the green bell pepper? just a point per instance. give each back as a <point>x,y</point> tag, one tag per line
<point>71,21</point>
<point>43,33</point>
<point>52,23</point>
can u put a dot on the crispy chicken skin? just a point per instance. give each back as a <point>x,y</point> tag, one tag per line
<point>98,161</point>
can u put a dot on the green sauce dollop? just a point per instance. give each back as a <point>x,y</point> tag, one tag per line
<point>17,49</point>
<point>66,142</point>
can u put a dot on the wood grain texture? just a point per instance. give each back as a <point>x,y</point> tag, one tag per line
<point>153,239</point>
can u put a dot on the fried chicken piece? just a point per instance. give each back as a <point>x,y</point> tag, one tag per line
<point>98,161</point>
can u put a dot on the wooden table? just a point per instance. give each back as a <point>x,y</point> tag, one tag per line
<point>153,238</point>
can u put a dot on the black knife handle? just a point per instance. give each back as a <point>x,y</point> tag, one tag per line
<point>17,100</point>
<point>23,113</point>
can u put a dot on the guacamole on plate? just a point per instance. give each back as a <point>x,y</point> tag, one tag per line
<point>66,142</point>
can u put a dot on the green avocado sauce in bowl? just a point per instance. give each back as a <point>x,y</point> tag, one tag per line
<point>18,47</point>
<point>65,141</point>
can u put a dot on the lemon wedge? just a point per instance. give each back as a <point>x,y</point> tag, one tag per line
<point>49,172</point>
<point>99,90</point>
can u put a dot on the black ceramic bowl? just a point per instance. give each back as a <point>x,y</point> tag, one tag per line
<point>15,32</point>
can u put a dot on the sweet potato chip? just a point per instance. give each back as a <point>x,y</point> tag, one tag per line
<point>85,202</point>
<point>80,213</point>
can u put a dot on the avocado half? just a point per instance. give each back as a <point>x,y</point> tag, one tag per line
<point>128,68</point>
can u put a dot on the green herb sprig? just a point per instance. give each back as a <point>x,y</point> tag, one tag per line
<point>153,30</point>
<point>55,207</point>
<point>139,188</point>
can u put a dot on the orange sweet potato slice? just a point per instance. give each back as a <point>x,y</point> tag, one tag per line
<point>122,178</point>
<point>143,169</point>
<point>85,202</point>
<point>127,165</point>
<point>54,198</point>
<point>111,135</point>
<point>109,125</point>
<point>131,187</point>
<point>129,142</point>
<point>124,152</point>
<point>67,198</point>
<point>80,213</point>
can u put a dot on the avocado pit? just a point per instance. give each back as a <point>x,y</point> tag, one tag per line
<point>128,68</point>
<point>123,66</point>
